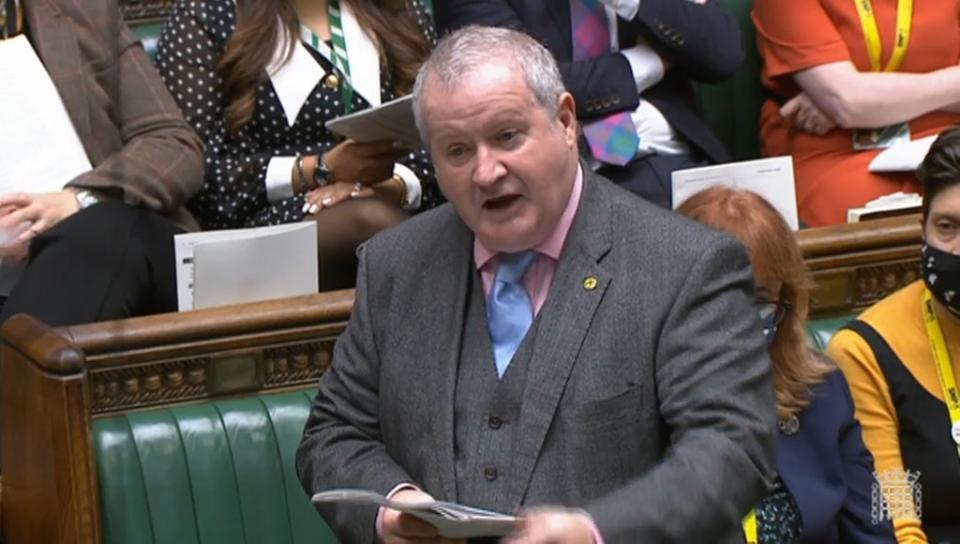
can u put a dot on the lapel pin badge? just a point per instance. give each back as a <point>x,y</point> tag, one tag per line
<point>790,425</point>
<point>590,283</point>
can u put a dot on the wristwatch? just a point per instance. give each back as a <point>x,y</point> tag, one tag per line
<point>322,175</point>
<point>85,198</point>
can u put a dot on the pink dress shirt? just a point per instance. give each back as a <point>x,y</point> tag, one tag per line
<point>540,275</point>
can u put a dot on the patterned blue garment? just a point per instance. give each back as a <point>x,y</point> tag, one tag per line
<point>778,517</point>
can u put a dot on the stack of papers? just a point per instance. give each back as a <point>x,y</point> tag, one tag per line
<point>390,121</point>
<point>451,520</point>
<point>37,123</point>
<point>905,157</point>
<point>770,178</point>
<point>898,203</point>
<point>245,265</point>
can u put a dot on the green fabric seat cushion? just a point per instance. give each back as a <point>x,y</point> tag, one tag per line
<point>210,473</point>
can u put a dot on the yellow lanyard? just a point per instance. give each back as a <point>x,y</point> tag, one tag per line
<point>750,527</point>
<point>941,358</point>
<point>871,33</point>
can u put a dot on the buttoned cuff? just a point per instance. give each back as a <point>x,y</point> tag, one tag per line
<point>626,9</point>
<point>394,491</point>
<point>277,179</point>
<point>414,190</point>
<point>646,65</point>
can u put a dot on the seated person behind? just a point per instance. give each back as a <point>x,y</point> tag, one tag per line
<point>826,473</point>
<point>99,249</point>
<point>896,376</point>
<point>259,94</point>
<point>832,88</point>
<point>634,99</point>
<point>541,382</point>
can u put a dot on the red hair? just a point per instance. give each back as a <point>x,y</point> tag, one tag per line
<point>775,256</point>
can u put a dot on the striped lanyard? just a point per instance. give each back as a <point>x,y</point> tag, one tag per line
<point>338,53</point>
<point>871,33</point>
<point>941,358</point>
<point>750,527</point>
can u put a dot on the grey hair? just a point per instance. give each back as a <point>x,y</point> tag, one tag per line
<point>468,49</point>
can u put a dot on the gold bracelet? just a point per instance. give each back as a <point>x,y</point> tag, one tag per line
<point>300,175</point>
<point>403,190</point>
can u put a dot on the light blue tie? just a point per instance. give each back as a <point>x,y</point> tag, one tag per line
<point>509,312</point>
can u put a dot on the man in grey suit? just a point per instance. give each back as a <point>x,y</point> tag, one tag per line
<point>546,342</point>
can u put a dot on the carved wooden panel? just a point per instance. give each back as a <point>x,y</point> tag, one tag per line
<point>289,365</point>
<point>134,10</point>
<point>122,387</point>
<point>149,384</point>
<point>845,290</point>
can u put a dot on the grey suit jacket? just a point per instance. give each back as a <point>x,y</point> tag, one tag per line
<point>648,399</point>
<point>141,149</point>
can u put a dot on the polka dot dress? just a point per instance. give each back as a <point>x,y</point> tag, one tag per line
<point>234,193</point>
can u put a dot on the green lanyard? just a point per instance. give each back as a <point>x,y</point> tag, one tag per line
<point>338,53</point>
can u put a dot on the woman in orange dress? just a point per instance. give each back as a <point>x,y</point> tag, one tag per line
<point>828,86</point>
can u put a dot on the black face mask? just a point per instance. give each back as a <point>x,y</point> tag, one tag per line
<point>941,274</point>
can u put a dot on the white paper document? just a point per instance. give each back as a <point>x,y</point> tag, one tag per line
<point>898,203</point>
<point>41,151</point>
<point>905,157</point>
<point>389,121</point>
<point>245,265</point>
<point>770,178</point>
<point>451,520</point>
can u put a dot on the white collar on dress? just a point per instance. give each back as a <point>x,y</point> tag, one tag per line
<point>296,79</point>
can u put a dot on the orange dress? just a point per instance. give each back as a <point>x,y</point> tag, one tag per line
<point>794,35</point>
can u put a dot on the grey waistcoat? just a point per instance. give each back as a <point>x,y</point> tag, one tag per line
<point>487,410</point>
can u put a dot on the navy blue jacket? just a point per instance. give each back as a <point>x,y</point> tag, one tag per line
<point>829,471</point>
<point>701,41</point>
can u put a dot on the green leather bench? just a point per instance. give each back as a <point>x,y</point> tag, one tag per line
<point>167,429</point>
<point>221,472</point>
<point>148,31</point>
<point>211,473</point>
<point>822,330</point>
<point>732,107</point>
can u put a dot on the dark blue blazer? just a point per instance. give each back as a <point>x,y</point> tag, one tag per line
<point>829,471</point>
<point>701,41</point>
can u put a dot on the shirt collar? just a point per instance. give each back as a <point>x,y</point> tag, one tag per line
<point>552,245</point>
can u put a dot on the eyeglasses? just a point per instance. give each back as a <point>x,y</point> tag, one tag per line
<point>771,314</point>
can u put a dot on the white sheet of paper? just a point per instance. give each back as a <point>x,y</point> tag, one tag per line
<point>390,121</point>
<point>245,265</point>
<point>451,520</point>
<point>904,157</point>
<point>770,178</point>
<point>38,124</point>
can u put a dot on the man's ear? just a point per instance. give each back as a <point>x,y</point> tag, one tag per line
<point>567,116</point>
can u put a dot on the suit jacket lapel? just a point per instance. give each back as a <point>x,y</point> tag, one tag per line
<point>450,274</point>
<point>54,38</point>
<point>578,287</point>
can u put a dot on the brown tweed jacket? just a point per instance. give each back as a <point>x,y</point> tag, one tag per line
<point>138,143</point>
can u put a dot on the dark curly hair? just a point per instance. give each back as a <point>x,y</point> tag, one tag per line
<point>941,167</point>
